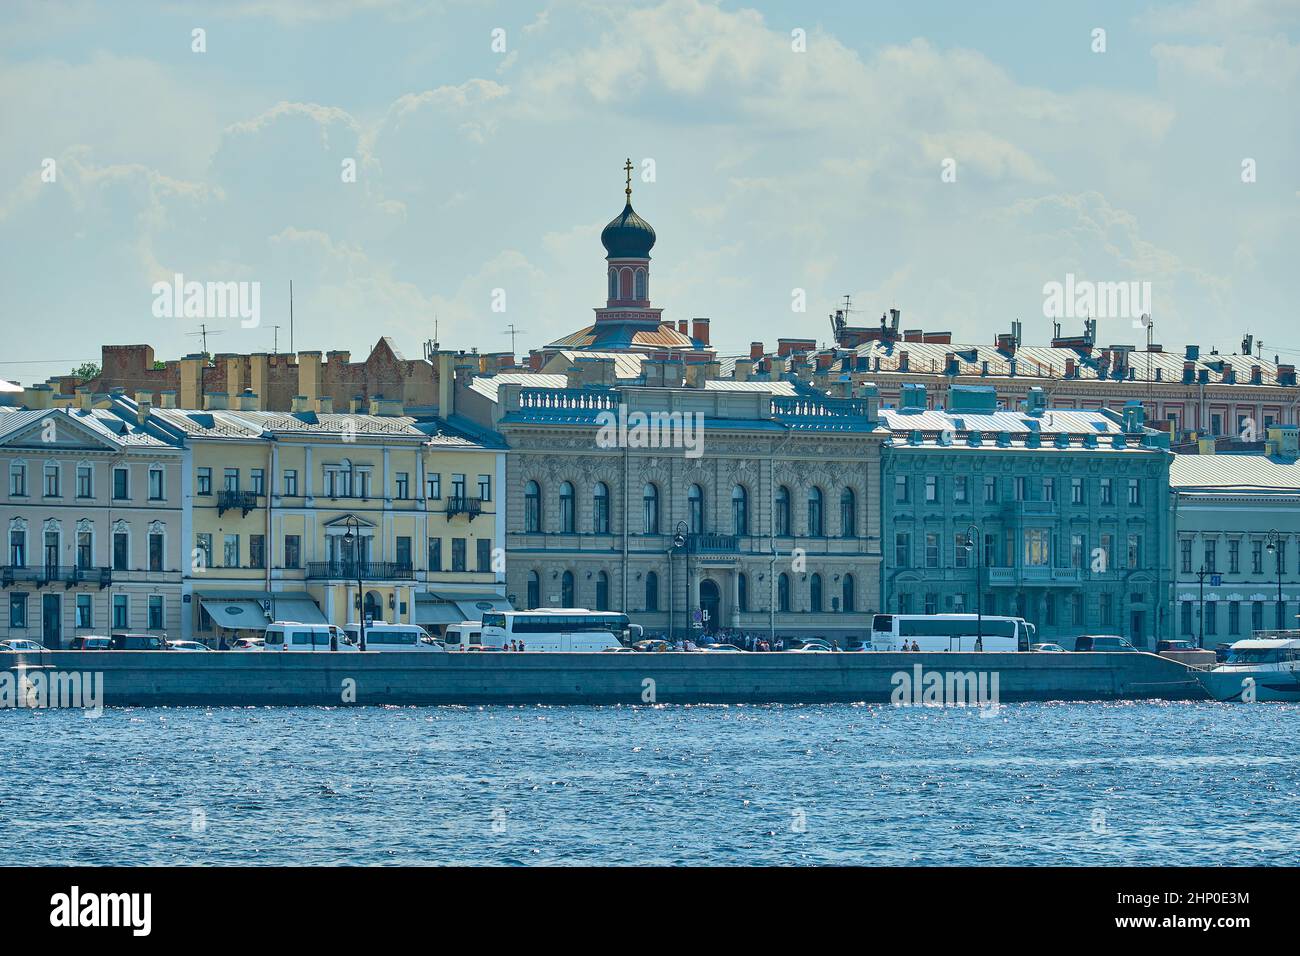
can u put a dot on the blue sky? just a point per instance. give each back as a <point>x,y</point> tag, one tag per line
<point>775,170</point>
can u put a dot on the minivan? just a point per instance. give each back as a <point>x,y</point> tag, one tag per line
<point>393,637</point>
<point>305,638</point>
<point>138,642</point>
<point>1102,642</point>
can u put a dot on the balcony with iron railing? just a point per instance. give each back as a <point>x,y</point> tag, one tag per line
<point>227,500</point>
<point>345,570</point>
<point>44,575</point>
<point>710,542</point>
<point>1032,576</point>
<point>460,505</point>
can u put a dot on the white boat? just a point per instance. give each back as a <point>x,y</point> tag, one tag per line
<point>1258,668</point>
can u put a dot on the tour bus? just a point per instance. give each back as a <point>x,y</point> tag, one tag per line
<point>949,632</point>
<point>554,629</point>
<point>309,638</point>
<point>381,636</point>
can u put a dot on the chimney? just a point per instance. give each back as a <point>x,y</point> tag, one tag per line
<point>824,361</point>
<point>535,360</point>
<point>904,361</point>
<point>143,407</point>
<point>1193,353</point>
<point>301,404</point>
<point>755,351</point>
<point>257,373</point>
<point>777,369</point>
<point>1203,376</point>
<point>192,367</point>
<point>1189,372</point>
<point>700,330</point>
<point>1229,375</point>
<point>446,367</point>
<point>229,365</point>
<point>309,375</point>
<point>168,399</point>
<point>681,326</point>
<point>742,371</point>
<point>38,396</point>
<point>248,401</point>
<point>1286,375</point>
<point>215,402</point>
<point>338,357</point>
<point>325,405</point>
<point>870,395</point>
<point>1070,369</point>
<point>354,405</point>
<point>913,335</point>
<point>1256,375</point>
<point>386,407</point>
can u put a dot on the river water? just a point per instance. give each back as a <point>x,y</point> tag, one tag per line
<point>1095,784</point>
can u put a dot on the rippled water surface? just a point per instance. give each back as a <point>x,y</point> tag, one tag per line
<point>1131,783</point>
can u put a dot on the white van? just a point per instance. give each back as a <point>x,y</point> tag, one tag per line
<point>393,637</point>
<point>305,638</point>
<point>464,637</point>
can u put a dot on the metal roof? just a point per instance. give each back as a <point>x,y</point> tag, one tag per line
<point>487,385</point>
<point>1234,472</point>
<point>121,431</point>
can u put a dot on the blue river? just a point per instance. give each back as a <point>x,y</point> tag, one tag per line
<point>1092,784</point>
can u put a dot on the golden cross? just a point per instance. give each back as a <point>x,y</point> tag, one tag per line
<point>628,169</point>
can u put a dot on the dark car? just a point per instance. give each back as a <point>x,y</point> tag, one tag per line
<point>1102,642</point>
<point>90,642</point>
<point>139,642</point>
<point>1175,646</point>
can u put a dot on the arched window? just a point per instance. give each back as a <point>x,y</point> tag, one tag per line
<point>613,283</point>
<point>782,512</point>
<point>848,513</point>
<point>532,507</point>
<point>739,510</point>
<point>600,508</point>
<point>602,591</point>
<point>783,593</point>
<point>566,511</point>
<point>847,601</point>
<point>695,502</point>
<point>534,590</point>
<point>566,590</point>
<point>652,592</point>
<point>815,593</point>
<point>814,512</point>
<point>625,283</point>
<point>742,593</point>
<point>650,508</point>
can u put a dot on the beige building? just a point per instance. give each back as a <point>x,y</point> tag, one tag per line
<point>93,523</point>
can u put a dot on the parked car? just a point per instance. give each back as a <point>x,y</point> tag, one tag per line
<point>722,649</point>
<point>815,644</point>
<point>90,643</point>
<point>1102,642</point>
<point>21,644</point>
<point>1048,648</point>
<point>652,645</point>
<point>187,646</point>
<point>248,644</point>
<point>138,642</point>
<point>1175,646</point>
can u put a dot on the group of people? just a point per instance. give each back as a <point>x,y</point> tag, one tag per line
<point>514,645</point>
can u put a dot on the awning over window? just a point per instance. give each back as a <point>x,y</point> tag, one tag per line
<point>471,605</point>
<point>432,612</point>
<point>301,610</point>
<point>237,615</point>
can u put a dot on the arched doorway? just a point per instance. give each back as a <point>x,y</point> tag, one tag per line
<point>710,601</point>
<point>374,608</point>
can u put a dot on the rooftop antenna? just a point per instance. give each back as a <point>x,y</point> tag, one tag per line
<point>203,334</point>
<point>275,342</point>
<point>291,317</point>
<point>512,332</point>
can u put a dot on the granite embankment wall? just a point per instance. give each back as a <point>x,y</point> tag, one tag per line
<point>177,678</point>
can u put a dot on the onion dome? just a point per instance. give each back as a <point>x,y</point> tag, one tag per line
<point>628,236</point>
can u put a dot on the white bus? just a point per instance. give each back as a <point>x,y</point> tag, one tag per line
<point>949,632</point>
<point>558,629</point>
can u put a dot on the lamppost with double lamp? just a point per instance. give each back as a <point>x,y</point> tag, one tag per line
<point>973,536</point>
<point>1274,547</point>
<point>679,544</point>
<point>349,539</point>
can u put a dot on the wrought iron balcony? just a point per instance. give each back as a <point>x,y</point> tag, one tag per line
<point>365,570</point>
<point>245,501</point>
<point>46,574</point>
<point>712,543</point>
<point>464,506</point>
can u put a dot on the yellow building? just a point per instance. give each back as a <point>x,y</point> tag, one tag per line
<point>292,515</point>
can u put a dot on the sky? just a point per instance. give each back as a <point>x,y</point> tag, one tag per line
<point>947,159</point>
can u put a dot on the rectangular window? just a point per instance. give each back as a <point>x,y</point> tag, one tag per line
<point>1211,617</point>
<point>901,488</point>
<point>1257,615</point>
<point>1076,491</point>
<point>121,551</point>
<point>1185,619</point>
<point>931,488</point>
<point>458,486</point>
<point>85,611</point>
<point>230,551</point>
<point>291,483</point>
<point>1078,547</point>
<point>17,481</point>
<point>931,603</point>
<point>257,551</point>
<point>1257,557</point>
<point>155,552</point>
<point>1234,556</point>
<point>1049,489</point>
<point>433,486</point>
<point>990,489</point>
<point>1107,609</point>
<point>959,493</point>
<point>156,484</point>
<point>1107,492</point>
<point>85,481</point>
<point>1134,551</point>
<point>121,484</point>
<point>121,611</point>
<point>1185,555</point>
<point>484,547</point>
<point>1134,491</point>
<point>1021,488</point>
<point>203,544</point>
<point>17,611</point>
<point>1234,617</point>
<point>1108,552</point>
<point>257,476</point>
<point>1211,554</point>
<point>435,554</point>
<point>961,557</point>
<point>156,612</point>
<point>485,487</point>
<point>203,481</point>
<point>902,549</point>
<point>292,551</point>
<point>363,483</point>
<point>458,554</point>
<point>1076,609</point>
<point>231,479</point>
<point>403,482</point>
<point>85,550</point>
<point>53,474</point>
<point>1038,548</point>
<point>403,550</point>
<point>931,550</point>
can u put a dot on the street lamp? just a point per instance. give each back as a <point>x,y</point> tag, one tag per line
<point>349,539</point>
<point>679,544</point>
<point>1274,547</point>
<point>972,537</point>
<point>1200,575</point>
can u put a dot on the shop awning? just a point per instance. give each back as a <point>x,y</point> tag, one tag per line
<point>302,610</point>
<point>436,612</point>
<point>471,604</point>
<point>237,615</point>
